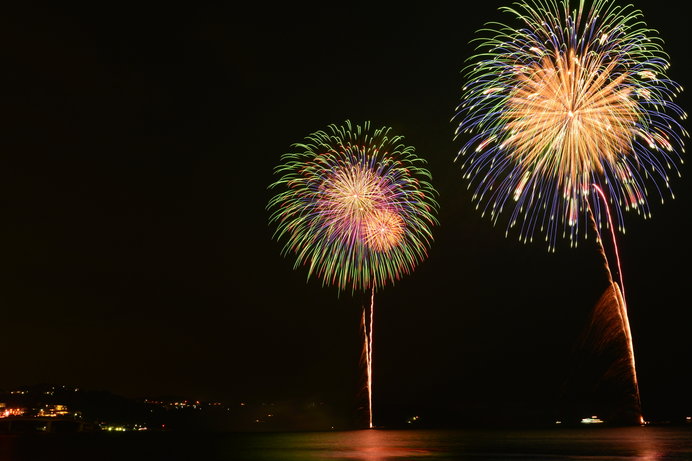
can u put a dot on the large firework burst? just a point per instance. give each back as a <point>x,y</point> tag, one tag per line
<point>356,206</point>
<point>573,97</point>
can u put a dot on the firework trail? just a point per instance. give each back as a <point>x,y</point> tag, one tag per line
<point>356,207</point>
<point>574,98</point>
<point>368,318</point>
<point>602,196</point>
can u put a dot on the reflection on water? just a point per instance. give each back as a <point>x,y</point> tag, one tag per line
<point>595,444</point>
<point>366,445</point>
<point>634,443</point>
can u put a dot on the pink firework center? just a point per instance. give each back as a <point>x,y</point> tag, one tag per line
<point>356,205</point>
<point>383,229</point>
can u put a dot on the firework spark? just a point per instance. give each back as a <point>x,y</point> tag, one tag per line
<point>357,208</point>
<point>570,98</point>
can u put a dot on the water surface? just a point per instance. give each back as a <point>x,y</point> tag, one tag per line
<point>635,443</point>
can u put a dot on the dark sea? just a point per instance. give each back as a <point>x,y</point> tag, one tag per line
<point>633,443</point>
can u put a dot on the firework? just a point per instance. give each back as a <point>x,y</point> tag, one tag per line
<point>356,208</point>
<point>574,96</point>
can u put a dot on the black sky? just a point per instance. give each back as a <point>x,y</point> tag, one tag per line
<point>137,147</point>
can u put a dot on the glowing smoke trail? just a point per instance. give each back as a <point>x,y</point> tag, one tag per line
<point>619,293</point>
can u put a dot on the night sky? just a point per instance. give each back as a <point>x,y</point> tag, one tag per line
<point>136,255</point>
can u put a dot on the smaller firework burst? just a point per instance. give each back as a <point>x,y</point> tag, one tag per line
<point>356,208</point>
